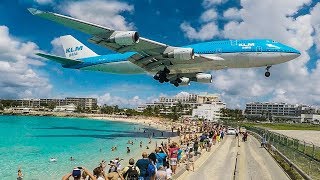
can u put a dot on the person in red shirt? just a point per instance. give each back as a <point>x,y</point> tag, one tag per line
<point>173,155</point>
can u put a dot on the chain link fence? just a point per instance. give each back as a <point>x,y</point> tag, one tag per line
<point>305,155</point>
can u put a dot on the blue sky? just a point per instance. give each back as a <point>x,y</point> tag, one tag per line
<point>171,22</point>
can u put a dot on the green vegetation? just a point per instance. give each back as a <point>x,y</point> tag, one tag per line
<point>232,114</point>
<point>283,126</point>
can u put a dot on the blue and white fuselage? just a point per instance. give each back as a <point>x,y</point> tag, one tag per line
<point>233,53</point>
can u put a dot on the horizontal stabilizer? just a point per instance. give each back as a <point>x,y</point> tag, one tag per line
<point>61,60</point>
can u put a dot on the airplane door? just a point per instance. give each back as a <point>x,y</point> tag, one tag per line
<point>259,49</point>
<point>234,42</point>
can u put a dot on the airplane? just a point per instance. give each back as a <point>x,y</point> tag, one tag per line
<point>177,65</point>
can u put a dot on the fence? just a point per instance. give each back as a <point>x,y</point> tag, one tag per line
<point>305,155</point>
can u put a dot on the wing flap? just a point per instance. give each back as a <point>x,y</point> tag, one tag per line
<point>64,61</point>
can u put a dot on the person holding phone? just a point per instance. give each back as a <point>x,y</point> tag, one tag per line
<point>77,174</point>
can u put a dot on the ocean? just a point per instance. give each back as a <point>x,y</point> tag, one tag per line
<point>29,142</point>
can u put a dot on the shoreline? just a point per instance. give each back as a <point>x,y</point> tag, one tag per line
<point>159,123</point>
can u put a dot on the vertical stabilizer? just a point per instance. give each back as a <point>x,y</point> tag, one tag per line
<point>74,49</point>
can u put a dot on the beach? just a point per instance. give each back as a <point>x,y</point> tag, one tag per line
<point>30,141</point>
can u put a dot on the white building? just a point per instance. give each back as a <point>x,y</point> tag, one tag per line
<point>310,118</point>
<point>209,111</point>
<point>66,108</point>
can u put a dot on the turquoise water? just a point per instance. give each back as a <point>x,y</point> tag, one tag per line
<point>30,142</point>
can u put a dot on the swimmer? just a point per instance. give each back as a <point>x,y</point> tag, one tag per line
<point>141,144</point>
<point>20,175</point>
<point>128,150</point>
<point>71,158</point>
<point>147,147</point>
<point>53,160</point>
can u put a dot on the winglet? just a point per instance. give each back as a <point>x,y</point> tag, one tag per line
<point>34,11</point>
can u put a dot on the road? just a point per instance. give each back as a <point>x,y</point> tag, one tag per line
<point>253,163</point>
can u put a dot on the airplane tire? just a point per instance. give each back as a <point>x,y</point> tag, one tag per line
<point>179,80</point>
<point>161,80</point>
<point>166,79</point>
<point>176,84</point>
<point>267,74</point>
<point>156,77</point>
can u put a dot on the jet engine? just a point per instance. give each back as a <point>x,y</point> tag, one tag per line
<point>181,53</point>
<point>125,38</point>
<point>204,78</point>
<point>184,81</point>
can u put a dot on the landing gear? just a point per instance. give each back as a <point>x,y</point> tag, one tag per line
<point>161,76</point>
<point>176,82</point>
<point>267,73</point>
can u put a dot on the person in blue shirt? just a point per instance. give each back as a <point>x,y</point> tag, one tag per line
<point>142,164</point>
<point>161,156</point>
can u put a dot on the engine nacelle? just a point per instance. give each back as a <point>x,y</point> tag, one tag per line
<point>181,53</point>
<point>204,78</point>
<point>184,81</point>
<point>125,38</point>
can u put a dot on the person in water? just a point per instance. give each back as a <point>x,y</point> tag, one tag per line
<point>20,175</point>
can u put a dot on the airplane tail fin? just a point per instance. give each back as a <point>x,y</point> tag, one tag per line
<point>74,49</point>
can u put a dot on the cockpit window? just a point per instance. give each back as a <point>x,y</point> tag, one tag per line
<point>274,42</point>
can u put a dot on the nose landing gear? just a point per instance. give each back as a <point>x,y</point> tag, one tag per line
<point>267,73</point>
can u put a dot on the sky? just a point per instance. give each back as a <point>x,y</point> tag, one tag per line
<point>292,22</point>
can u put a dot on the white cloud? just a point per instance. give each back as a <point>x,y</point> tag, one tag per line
<point>43,1</point>
<point>209,3</point>
<point>206,32</point>
<point>108,99</point>
<point>18,77</point>
<point>209,15</point>
<point>232,14</point>
<point>182,94</point>
<point>105,13</point>
<point>315,20</point>
<point>57,47</point>
<point>209,29</point>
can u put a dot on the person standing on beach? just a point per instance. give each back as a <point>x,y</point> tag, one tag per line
<point>161,156</point>
<point>142,164</point>
<point>173,154</point>
<point>76,174</point>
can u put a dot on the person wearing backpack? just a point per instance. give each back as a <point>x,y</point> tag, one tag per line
<point>131,172</point>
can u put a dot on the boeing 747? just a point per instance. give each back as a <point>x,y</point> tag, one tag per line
<point>177,65</point>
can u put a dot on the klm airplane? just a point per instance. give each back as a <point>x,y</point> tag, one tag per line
<point>177,65</point>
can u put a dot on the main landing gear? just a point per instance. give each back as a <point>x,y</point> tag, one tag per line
<point>176,82</point>
<point>267,73</point>
<point>161,76</point>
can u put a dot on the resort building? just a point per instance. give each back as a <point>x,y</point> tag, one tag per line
<point>187,103</point>
<point>86,103</point>
<point>293,112</point>
<point>209,111</point>
<point>66,108</point>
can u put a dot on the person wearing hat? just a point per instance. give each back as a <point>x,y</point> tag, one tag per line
<point>76,174</point>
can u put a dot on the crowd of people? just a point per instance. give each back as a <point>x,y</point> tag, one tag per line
<point>162,163</point>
